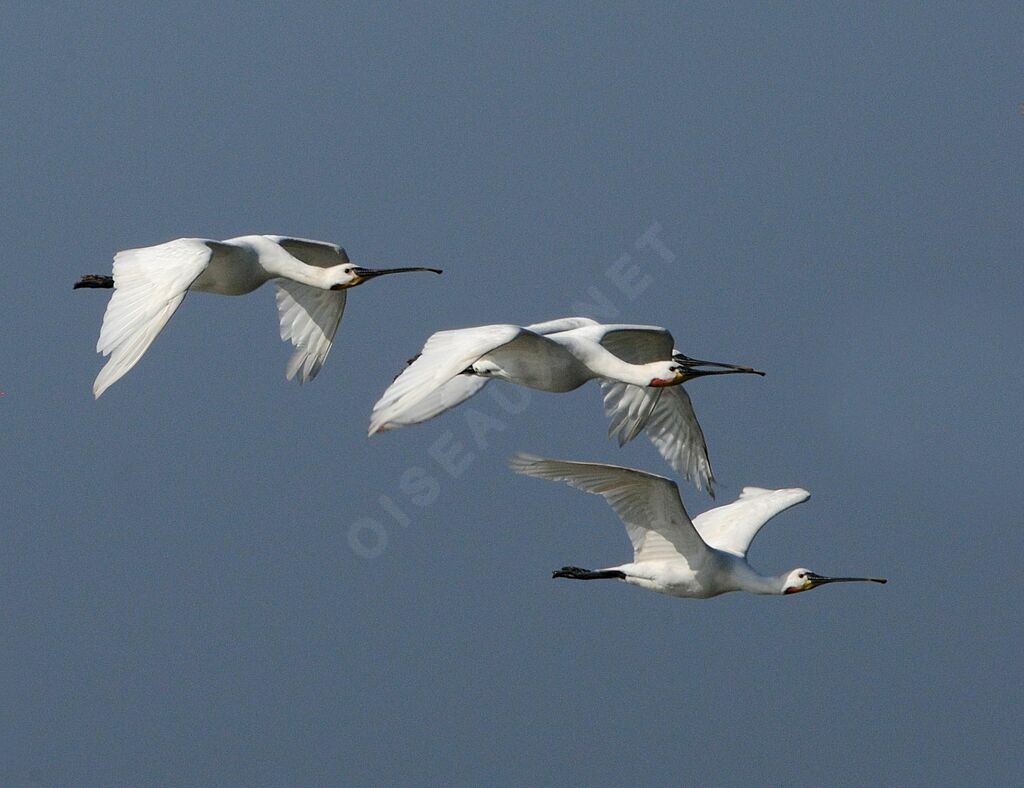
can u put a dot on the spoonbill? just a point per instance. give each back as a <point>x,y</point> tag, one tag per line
<point>673,555</point>
<point>149,284</point>
<point>638,368</point>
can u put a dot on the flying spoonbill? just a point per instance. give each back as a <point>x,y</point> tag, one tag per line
<point>149,284</point>
<point>673,555</point>
<point>638,368</point>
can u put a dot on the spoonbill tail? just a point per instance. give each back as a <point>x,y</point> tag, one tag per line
<point>637,366</point>
<point>673,555</point>
<point>149,284</point>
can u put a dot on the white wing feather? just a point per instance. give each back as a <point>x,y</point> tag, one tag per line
<point>462,387</point>
<point>673,429</point>
<point>561,324</point>
<point>149,285</point>
<point>445,355</point>
<point>309,315</point>
<point>628,407</point>
<point>732,528</point>
<point>447,396</point>
<point>648,505</point>
<point>309,319</point>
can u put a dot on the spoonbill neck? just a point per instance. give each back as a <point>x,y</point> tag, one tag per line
<point>278,263</point>
<point>605,364</point>
<point>748,579</point>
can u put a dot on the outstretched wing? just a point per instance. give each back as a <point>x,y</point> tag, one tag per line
<point>732,528</point>
<point>561,324</point>
<point>666,414</point>
<point>445,355</point>
<point>149,285</point>
<point>462,387</point>
<point>636,344</point>
<point>309,319</point>
<point>648,505</point>
<point>318,253</point>
<point>447,396</point>
<point>628,408</point>
<point>309,315</point>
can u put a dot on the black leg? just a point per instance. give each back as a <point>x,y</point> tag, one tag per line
<point>575,573</point>
<point>94,280</point>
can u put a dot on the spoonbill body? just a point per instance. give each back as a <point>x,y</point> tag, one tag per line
<point>150,283</point>
<point>638,368</point>
<point>673,555</point>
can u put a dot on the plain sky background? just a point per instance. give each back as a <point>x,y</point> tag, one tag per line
<point>839,191</point>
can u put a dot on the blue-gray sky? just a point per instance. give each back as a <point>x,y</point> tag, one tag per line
<point>838,193</point>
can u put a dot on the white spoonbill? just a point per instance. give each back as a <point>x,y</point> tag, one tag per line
<point>149,284</point>
<point>638,368</point>
<point>673,555</point>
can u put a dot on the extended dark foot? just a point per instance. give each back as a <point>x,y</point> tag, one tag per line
<point>94,280</point>
<point>575,573</point>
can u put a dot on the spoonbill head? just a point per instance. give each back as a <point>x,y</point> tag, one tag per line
<point>343,277</point>
<point>666,374</point>
<point>804,580</point>
<point>683,368</point>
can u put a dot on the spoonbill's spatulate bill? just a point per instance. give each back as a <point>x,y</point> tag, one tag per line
<point>149,284</point>
<point>638,368</point>
<point>673,555</point>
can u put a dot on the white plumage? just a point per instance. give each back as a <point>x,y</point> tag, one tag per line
<point>150,283</point>
<point>638,368</point>
<point>673,555</point>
